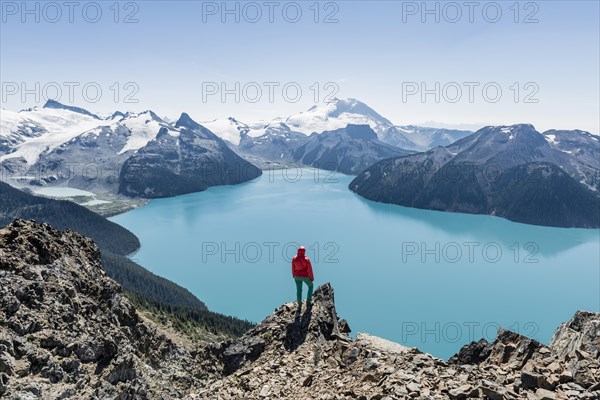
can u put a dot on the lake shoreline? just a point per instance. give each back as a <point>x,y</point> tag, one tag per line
<point>208,243</point>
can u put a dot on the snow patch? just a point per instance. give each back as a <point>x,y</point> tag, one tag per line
<point>227,129</point>
<point>61,125</point>
<point>551,139</point>
<point>95,202</point>
<point>508,131</point>
<point>143,127</point>
<point>61,192</point>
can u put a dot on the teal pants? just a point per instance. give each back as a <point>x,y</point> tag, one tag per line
<point>299,282</point>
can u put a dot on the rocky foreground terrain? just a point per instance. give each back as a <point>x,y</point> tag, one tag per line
<point>68,331</point>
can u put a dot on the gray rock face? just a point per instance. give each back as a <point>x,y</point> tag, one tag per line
<point>67,331</point>
<point>508,348</point>
<point>91,161</point>
<point>582,147</point>
<point>582,333</point>
<point>276,144</point>
<point>564,369</point>
<point>26,129</point>
<point>306,356</point>
<point>348,150</point>
<point>419,138</point>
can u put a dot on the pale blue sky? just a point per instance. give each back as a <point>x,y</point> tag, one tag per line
<point>370,54</point>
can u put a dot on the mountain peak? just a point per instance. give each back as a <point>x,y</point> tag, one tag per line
<point>517,131</point>
<point>508,128</point>
<point>153,115</point>
<point>361,132</point>
<point>118,114</point>
<point>53,104</point>
<point>185,121</point>
<point>337,106</point>
<point>517,127</point>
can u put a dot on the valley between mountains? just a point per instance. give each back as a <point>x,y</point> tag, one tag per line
<point>124,159</point>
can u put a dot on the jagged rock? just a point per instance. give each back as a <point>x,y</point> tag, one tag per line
<point>493,391</point>
<point>508,348</point>
<point>473,353</point>
<point>3,383</point>
<point>463,392</point>
<point>543,394</point>
<point>6,363</point>
<point>373,368</point>
<point>123,371</point>
<point>236,354</point>
<point>532,380</point>
<point>344,327</point>
<point>580,333</point>
<point>102,350</point>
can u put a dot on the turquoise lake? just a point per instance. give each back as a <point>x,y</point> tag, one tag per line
<point>425,279</point>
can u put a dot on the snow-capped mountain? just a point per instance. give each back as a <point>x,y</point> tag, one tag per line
<point>230,129</point>
<point>276,143</point>
<point>189,158</point>
<point>29,133</point>
<point>338,114</point>
<point>69,146</point>
<point>50,145</point>
<point>575,152</point>
<point>59,106</point>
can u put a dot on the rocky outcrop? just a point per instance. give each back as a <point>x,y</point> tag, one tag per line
<point>581,333</point>
<point>563,370</point>
<point>308,355</point>
<point>67,331</point>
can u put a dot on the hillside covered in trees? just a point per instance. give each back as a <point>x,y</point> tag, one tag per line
<point>155,294</point>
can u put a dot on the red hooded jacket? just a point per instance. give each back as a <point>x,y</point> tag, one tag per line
<point>301,266</point>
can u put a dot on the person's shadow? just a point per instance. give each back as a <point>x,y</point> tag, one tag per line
<point>295,332</point>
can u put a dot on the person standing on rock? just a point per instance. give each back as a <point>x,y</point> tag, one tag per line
<point>302,273</point>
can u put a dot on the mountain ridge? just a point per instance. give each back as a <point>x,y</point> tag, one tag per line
<point>115,242</point>
<point>348,150</point>
<point>98,155</point>
<point>337,114</point>
<point>510,171</point>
